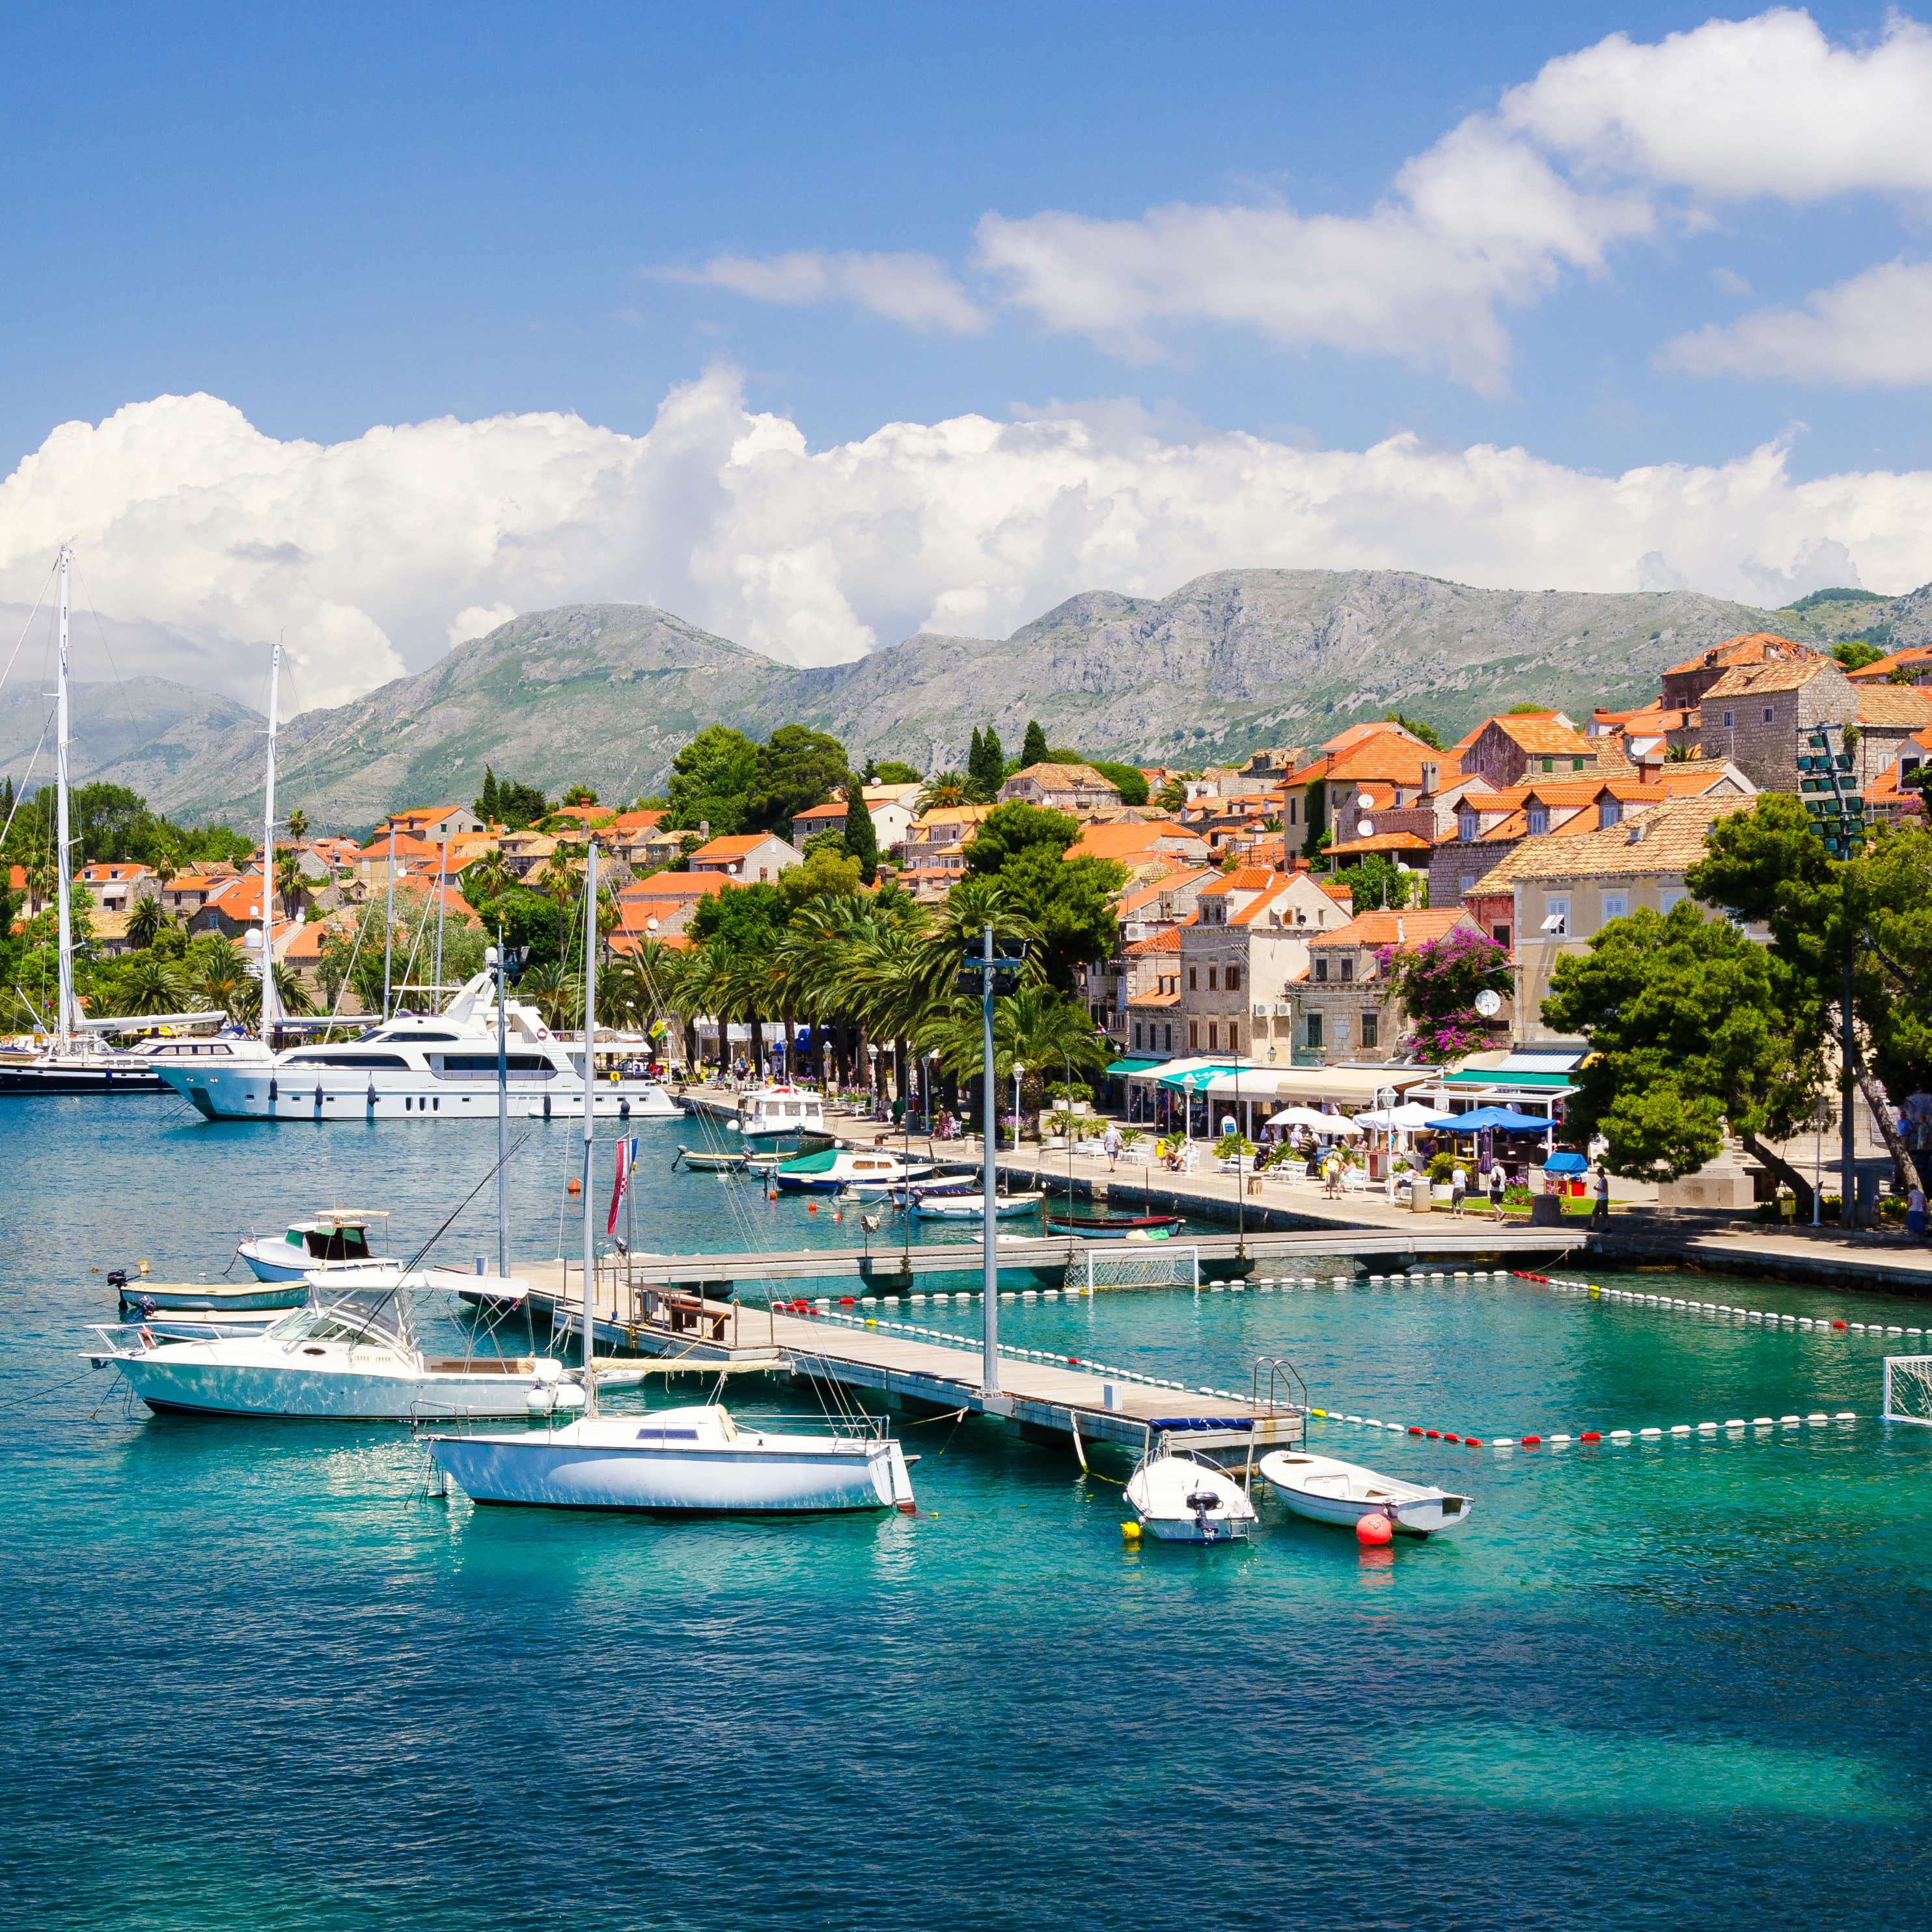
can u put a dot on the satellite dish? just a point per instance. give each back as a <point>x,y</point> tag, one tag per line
<point>1364,801</point>
<point>1488,1003</point>
<point>1365,828</point>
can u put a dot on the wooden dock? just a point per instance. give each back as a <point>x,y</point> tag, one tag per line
<point>877,1356</point>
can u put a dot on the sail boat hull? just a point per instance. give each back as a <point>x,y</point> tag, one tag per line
<point>601,1464</point>
<point>76,1076</point>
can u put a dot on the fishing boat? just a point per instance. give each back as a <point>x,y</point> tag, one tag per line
<point>701,1161</point>
<point>862,1169</point>
<point>1114,1227</point>
<point>699,1459</point>
<point>972,1207</point>
<point>326,1244</point>
<point>1325,1490</point>
<point>1181,1497</point>
<point>350,1356</point>
<point>207,1296</point>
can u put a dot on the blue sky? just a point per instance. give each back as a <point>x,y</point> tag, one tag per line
<point>340,219</point>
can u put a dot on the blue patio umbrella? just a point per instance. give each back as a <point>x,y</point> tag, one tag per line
<point>1480,1119</point>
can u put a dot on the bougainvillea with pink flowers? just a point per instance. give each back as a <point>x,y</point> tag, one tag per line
<point>1437,983</point>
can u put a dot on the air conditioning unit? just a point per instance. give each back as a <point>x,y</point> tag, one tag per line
<point>1284,1009</point>
<point>1259,1011</point>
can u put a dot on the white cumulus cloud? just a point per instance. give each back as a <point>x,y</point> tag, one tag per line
<point>1873,330</point>
<point>199,537</point>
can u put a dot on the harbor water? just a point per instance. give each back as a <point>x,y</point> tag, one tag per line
<point>257,1679</point>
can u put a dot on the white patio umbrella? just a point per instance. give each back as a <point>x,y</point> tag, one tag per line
<point>1407,1117</point>
<point>1306,1116</point>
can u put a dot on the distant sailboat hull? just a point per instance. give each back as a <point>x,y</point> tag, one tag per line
<point>76,1075</point>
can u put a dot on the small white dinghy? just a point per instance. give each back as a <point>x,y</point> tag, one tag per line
<point>1181,1498</point>
<point>1326,1491</point>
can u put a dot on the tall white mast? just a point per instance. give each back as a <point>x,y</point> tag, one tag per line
<point>65,1014</point>
<point>589,1120</point>
<point>271,1005</point>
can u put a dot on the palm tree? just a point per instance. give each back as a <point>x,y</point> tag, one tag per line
<point>145,924</point>
<point>298,825</point>
<point>486,879</point>
<point>1042,1030</point>
<point>972,905</point>
<point>556,995</point>
<point>943,790</point>
<point>291,994</point>
<point>154,986</point>
<point>290,886</point>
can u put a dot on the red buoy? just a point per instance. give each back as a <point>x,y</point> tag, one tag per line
<point>1374,1528</point>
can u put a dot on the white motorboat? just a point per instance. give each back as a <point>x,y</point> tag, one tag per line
<point>686,1459</point>
<point>1325,1490</point>
<point>352,1356</point>
<point>864,1170</point>
<point>972,1207</point>
<point>779,1109</point>
<point>422,1067</point>
<point>330,1243</point>
<point>1180,1497</point>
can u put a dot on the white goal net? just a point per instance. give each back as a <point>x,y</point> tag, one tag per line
<point>1908,1389</point>
<point>1149,1264</point>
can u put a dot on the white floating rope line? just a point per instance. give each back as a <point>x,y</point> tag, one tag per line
<point>1630,1297</point>
<point>1681,1431</point>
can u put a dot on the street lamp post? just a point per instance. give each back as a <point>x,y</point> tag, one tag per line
<point>1019,1069</point>
<point>872,1061</point>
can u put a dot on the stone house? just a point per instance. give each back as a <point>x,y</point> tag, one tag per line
<point>1508,750</point>
<point>1078,789</point>
<point>1247,947</point>
<point>749,858</point>
<point>1890,717</point>
<point>1756,715</point>
<point>118,888</point>
<point>1345,1010</point>
<point>1686,685</point>
<point>660,908</point>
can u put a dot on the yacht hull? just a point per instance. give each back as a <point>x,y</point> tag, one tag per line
<point>347,1395</point>
<point>37,1077</point>
<point>266,1292</point>
<point>554,1472</point>
<point>261,1094</point>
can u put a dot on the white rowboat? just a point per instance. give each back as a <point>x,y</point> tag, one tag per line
<point>1181,1498</point>
<point>1326,1491</point>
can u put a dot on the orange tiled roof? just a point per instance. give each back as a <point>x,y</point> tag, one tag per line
<point>1894,704</point>
<point>1542,736</point>
<point>1391,929</point>
<point>674,886</point>
<point>1754,647</point>
<point>1753,679</point>
<point>1381,841</point>
<point>1150,999</point>
<point>737,845</point>
<point>1878,672</point>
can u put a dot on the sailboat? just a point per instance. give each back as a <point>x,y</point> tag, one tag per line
<point>77,1060</point>
<point>695,1458</point>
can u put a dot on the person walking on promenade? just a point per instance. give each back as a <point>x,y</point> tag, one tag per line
<point>1458,1188</point>
<point>1497,1184</point>
<point>1111,1144</point>
<point>1600,1215</point>
<point>1914,1212</point>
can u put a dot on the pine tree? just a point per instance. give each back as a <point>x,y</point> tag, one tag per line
<point>862,837</point>
<point>1033,751</point>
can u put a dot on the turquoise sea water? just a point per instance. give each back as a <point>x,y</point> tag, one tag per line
<point>256,1680</point>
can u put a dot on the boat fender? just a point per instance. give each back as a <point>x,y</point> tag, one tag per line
<point>273,1090</point>
<point>1130,1534</point>
<point>1373,1529</point>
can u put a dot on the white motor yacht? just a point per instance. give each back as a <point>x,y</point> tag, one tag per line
<point>865,1172</point>
<point>1180,1497</point>
<point>697,1459</point>
<point>352,1356</point>
<point>422,1067</point>
<point>769,1113</point>
<point>1325,1490</point>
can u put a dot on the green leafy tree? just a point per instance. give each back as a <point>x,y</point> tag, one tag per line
<point>1375,882</point>
<point>1691,1024</point>
<point>1012,828</point>
<point>828,870</point>
<point>1067,903</point>
<point>891,771</point>
<point>1129,780</point>
<point>797,768</point>
<point>1854,655</point>
<point>1033,751</point>
<point>1416,728</point>
<point>1316,839</point>
<point>827,841</point>
<point>711,780</point>
<point>580,794</point>
<point>862,837</point>
<point>487,805</point>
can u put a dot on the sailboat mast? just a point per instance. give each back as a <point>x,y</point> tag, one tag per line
<point>589,1120</point>
<point>271,1005</point>
<point>64,1015</point>
<point>503,969</point>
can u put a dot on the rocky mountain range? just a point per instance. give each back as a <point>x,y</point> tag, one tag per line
<point>606,694</point>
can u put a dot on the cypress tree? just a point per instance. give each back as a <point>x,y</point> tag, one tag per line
<point>862,837</point>
<point>1033,751</point>
<point>489,807</point>
<point>993,755</point>
<point>975,760</point>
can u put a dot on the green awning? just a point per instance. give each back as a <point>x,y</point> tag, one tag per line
<point>1131,1065</point>
<point>1496,1076</point>
<point>1196,1078</point>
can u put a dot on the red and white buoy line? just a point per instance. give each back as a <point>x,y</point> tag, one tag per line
<point>1668,1304</point>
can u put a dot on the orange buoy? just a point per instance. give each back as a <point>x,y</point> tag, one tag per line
<point>811,1207</point>
<point>1374,1528</point>
<point>576,1187</point>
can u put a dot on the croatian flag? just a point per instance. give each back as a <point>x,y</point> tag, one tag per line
<point>627,1158</point>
